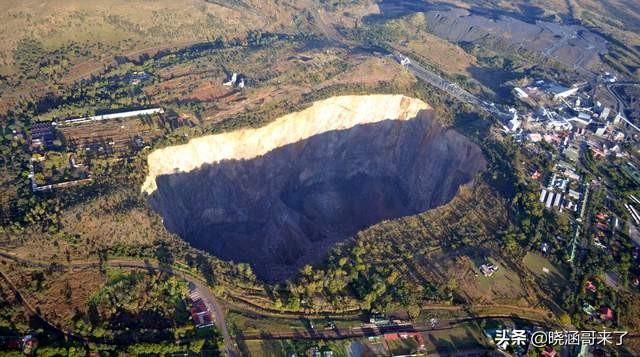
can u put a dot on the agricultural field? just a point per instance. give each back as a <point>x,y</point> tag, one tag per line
<point>278,348</point>
<point>116,137</point>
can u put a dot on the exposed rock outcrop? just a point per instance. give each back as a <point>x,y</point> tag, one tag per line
<point>279,196</point>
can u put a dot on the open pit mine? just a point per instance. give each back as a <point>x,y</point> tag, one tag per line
<point>280,196</point>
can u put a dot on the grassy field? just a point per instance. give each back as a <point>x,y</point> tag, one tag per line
<point>94,302</point>
<point>464,338</point>
<point>125,26</point>
<point>52,43</point>
<point>283,348</point>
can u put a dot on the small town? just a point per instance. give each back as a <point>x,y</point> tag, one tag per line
<point>578,132</point>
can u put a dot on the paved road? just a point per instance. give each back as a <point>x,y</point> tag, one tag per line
<point>453,89</point>
<point>620,102</point>
<point>230,348</point>
<point>205,293</point>
<point>208,298</point>
<point>214,306</point>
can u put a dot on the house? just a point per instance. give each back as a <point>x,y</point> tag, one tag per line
<point>327,352</point>
<point>544,247</point>
<point>585,116</point>
<point>488,269</point>
<point>574,194</point>
<point>405,335</point>
<point>521,94</point>
<point>42,133</point>
<point>29,342</point>
<point>514,124</point>
<point>379,320</point>
<point>232,80</point>
<point>403,60</point>
<point>597,153</point>
<point>617,119</point>
<point>200,314</point>
<point>588,309</point>
<point>605,313</point>
<point>313,351</point>
<point>534,137</point>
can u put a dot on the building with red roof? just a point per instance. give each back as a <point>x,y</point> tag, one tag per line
<point>606,314</point>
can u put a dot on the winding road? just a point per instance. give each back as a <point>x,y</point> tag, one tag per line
<point>453,89</point>
<point>203,290</point>
<point>230,348</point>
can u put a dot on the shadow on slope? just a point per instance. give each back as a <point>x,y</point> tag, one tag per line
<point>286,208</point>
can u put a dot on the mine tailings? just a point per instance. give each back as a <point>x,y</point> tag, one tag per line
<point>278,197</point>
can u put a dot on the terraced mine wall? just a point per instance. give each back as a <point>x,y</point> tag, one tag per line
<point>280,196</point>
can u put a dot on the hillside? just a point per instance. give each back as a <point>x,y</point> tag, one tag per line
<point>49,44</point>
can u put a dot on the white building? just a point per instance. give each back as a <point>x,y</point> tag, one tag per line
<point>520,93</point>
<point>232,80</point>
<point>563,92</point>
<point>120,115</point>
<point>601,131</point>
<point>534,137</point>
<point>617,119</point>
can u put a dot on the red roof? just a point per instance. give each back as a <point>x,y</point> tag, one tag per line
<point>405,335</point>
<point>391,336</point>
<point>549,352</point>
<point>606,313</point>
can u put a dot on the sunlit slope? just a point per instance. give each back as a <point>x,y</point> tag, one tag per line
<point>337,113</point>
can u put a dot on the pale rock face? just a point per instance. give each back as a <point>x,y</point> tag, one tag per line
<point>282,195</point>
<point>337,113</point>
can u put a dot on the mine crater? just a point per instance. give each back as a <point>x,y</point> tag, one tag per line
<point>287,207</point>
